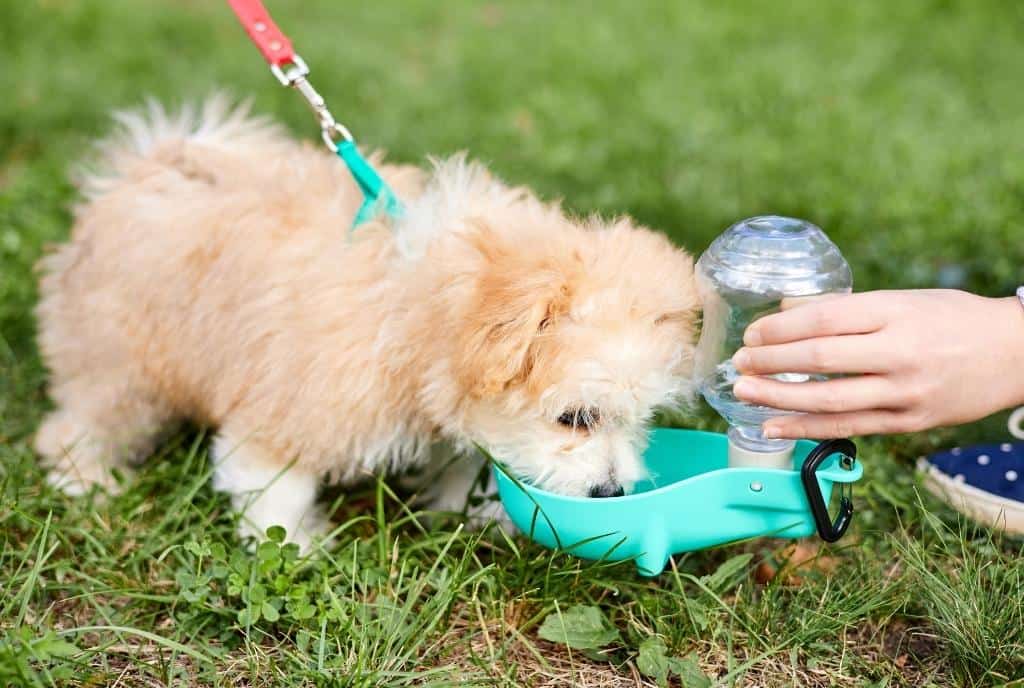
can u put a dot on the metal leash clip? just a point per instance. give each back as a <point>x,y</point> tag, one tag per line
<point>294,76</point>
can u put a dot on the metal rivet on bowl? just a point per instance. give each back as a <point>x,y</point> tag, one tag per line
<point>756,486</point>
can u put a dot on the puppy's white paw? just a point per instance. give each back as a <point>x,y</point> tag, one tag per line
<point>487,510</point>
<point>460,489</point>
<point>74,484</point>
<point>77,460</point>
<point>311,529</point>
<point>77,477</point>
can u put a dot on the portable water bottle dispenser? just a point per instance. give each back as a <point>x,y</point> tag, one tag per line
<point>744,275</point>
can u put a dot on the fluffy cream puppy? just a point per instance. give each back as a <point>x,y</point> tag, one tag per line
<point>210,275</point>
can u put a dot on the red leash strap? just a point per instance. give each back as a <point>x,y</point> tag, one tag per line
<point>269,40</point>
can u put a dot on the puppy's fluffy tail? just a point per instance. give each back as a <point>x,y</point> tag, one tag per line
<point>152,138</point>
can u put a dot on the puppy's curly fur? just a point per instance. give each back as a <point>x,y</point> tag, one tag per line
<point>210,276</point>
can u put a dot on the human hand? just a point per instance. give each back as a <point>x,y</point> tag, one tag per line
<point>926,358</point>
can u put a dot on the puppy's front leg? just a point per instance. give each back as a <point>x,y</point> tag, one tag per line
<point>268,492</point>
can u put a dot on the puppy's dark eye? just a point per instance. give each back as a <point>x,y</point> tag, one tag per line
<point>580,419</point>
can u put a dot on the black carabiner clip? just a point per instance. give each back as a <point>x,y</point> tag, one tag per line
<point>829,530</point>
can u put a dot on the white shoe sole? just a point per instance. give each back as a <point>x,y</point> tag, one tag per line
<point>985,508</point>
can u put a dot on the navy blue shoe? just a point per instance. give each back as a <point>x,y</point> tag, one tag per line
<point>984,482</point>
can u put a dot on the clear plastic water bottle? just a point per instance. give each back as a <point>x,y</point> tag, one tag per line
<point>744,275</point>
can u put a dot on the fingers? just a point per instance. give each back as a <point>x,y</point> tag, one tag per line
<point>803,319</point>
<point>843,395</point>
<point>832,425</point>
<point>847,354</point>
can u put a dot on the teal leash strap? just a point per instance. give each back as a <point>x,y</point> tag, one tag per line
<point>377,195</point>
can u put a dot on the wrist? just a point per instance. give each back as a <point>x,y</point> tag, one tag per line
<point>1011,318</point>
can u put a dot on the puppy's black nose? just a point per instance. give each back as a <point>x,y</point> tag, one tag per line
<point>609,489</point>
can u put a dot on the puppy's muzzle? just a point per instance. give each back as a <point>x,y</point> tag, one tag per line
<point>608,489</point>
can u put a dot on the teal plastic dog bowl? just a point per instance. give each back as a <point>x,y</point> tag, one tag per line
<point>691,501</point>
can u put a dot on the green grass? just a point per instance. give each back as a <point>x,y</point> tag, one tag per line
<point>896,126</point>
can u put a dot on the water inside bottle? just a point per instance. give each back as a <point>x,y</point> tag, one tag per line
<point>717,390</point>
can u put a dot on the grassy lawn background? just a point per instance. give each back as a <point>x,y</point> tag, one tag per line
<point>895,126</point>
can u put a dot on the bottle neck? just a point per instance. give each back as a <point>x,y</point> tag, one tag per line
<point>751,439</point>
<point>745,452</point>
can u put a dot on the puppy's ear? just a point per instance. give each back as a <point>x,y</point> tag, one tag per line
<point>513,303</point>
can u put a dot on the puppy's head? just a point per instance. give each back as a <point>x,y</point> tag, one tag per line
<point>567,336</point>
